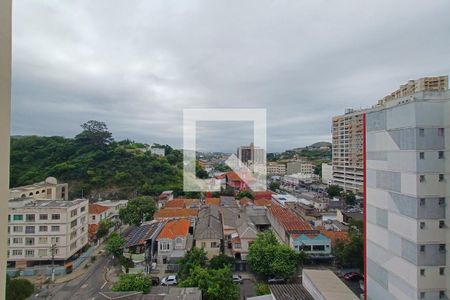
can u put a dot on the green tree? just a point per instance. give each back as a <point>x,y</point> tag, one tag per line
<point>214,284</point>
<point>133,282</point>
<point>200,172</point>
<point>114,244</point>
<point>243,194</point>
<point>94,133</point>
<point>18,289</point>
<point>349,198</point>
<point>267,257</point>
<point>350,253</point>
<point>274,185</point>
<point>194,257</point>
<point>220,261</point>
<point>103,228</point>
<point>334,190</point>
<point>126,262</point>
<point>228,191</point>
<point>262,289</point>
<point>138,210</point>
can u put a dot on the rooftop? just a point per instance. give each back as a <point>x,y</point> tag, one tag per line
<point>176,213</point>
<point>142,233</point>
<point>97,208</point>
<point>175,228</point>
<point>43,203</point>
<point>212,201</point>
<point>290,291</point>
<point>288,219</point>
<point>328,285</point>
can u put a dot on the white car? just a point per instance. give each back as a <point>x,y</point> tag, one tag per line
<point>169,280</point>
<point>237,278</point>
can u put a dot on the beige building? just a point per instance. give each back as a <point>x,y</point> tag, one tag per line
<point>47,189</point>
<point>35,225</point>
<point>294,167</point>
<point>276,169</point>
<point>327,173</point>
<point>208,232</point>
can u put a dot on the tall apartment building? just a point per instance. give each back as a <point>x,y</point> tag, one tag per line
<point>348,150</point>
<point>251,155</point>
<point>408,175</point>
<point>294,167</point>
<point>47,189</point>
<point>35,225</point>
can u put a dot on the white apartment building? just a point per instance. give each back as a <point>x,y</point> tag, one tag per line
<point>34,225</point>
<point>408,175</point>
<point>294,167</point>
<point>48,189</point>
<point>276,169</point>
<point>327,173</point>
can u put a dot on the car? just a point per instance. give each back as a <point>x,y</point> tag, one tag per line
<point>155,281</point>
<point>352,276</point>
<point>276,280</point>
<point>236,278</point>
<point>169,280</point>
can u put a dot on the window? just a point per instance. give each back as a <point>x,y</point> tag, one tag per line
<point>55,228</point>
<point>440,131</point>
<point>16,252</point>
<point>43,240</point>
<point>178,241</point>
<point>164,246</point>
<point>422,178</point>
<point>17,240</point>
<point>29,241</point>
<point>422,248</point>
<point>73,234</point>
<point>318,247</point>
<point>83,208</point>
<point>422,272</point>
<point>55,240</point>
<point>422,225</point>
<point>441,271</point>
<point>442,247</point>
<point>43,228</point>
<point>43,217</point>
<point>422,202</point>
<point>441,224</point>
<point>214,245</point>
<point>30,218</point>
<point>441,201</point>
<point>441,154</point>
<point>422,295</point>
<point>17,229</point>
<point>441,294</point>
<point>18,218</point>
<point>73,213</point>
<point>237,245</point>
<point>441,177</point>
<point>422,155</point>
<point>29,253</point>
<point>73,223</point>
<point>29,229</point>
<point>42,252</point>
<point>93,218</point>
<point>83,219</point>
<point>56,216</point>
<point>421,132</point>
<point>73,245</point>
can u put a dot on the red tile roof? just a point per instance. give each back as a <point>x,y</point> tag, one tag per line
<point>334,235</point>
<point>175,203</point>
<point>176,213</point>
<point>212,201</point>
<point>263,202</point>
<point>288,219</point>
<point>262,195</point>
<point>97,209</point>
<point>175,229</point>
<point>233,176</point>
<point>245,201</point>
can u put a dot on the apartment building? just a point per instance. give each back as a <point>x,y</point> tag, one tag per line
<point>34,225</point>
<point>294,167</point>
<point>276,169</point>
<point>327,173</point>
<point>251,155</point>
<point>47,189</point>
<point>408,173</point>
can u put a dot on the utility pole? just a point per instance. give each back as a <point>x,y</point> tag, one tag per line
<point>53,249</point>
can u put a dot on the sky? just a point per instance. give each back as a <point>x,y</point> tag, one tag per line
<point>135,65</point>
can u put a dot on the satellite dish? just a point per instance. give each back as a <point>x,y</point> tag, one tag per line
<point>51,180</point>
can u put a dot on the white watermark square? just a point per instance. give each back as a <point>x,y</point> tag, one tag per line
<point>253,175</point>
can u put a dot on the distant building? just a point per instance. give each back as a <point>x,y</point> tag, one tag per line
<point>251,155</point>
<point>294,167</point>
<point>157,151</point>
<point>327,173</point>
<point>276,169</point>
<point>35,225</point>
<point>174,241</point>
<point>47,189</point>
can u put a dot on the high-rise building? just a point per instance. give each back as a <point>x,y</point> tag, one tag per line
<point>407,191</point>
<point>251,155</point>
<point>348,150</point>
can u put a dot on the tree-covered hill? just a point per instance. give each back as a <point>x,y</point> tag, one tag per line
<point>95,164</point>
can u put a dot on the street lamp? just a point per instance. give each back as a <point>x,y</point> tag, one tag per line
<point>53,250</point>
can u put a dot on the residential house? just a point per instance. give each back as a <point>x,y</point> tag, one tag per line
<point>245,201</point>
<point>314,244</point>
<point>164,197</point>
<point>182,203</point>
<point>174,241</point>
<point>97,213</point>
<point>258,216</point>
<point>228,201</point>
<point>212,201</point>
<point>208,232</point>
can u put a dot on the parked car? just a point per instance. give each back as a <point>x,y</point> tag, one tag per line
<point>276,280</point>
<point>237,278</point>
<point>156,281</point>
<point>352,276</point>
<point>169,280</point>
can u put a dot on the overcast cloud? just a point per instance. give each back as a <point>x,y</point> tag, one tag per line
<point>136,64</point>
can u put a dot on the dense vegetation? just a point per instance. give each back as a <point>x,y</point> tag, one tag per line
<point>18,288</point>
<point>96,165</point>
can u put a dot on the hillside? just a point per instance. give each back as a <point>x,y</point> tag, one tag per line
<point>95,165</point>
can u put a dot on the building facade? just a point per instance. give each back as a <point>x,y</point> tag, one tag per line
<point>35,225</point>
<point>294,167</point>
<point>251,155</point>
<point>47,189</point>
<point>276,169</point>
<point>327,173</point>
<point>408,146</point>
